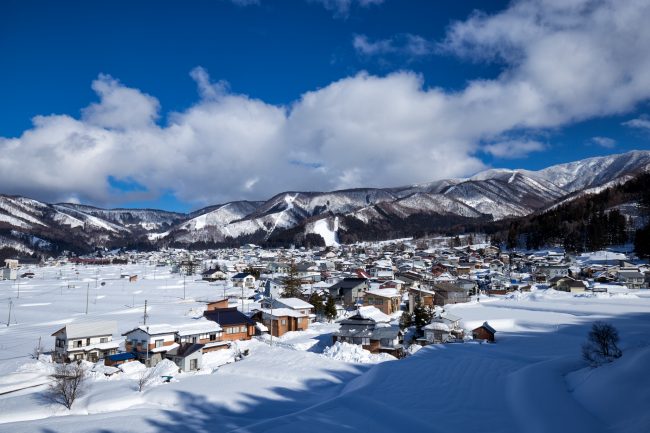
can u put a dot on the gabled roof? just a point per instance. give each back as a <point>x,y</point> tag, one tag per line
<point>184,350</point>
<point>157,329</point>
<point>487,327</point>
<point>240,276</point>
<point>295,303</point>
<point>228,317</point>
<point>348,283</point>
<point>88,329</point>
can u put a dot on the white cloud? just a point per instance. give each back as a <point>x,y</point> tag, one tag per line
<point>642,122</point>
<point>563,64</point>
<point>341,8</point>
<point>512,149</point>
<point>606,142</point>
<point>405,44</point>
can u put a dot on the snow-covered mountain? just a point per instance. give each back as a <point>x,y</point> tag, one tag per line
<point>489,195</point>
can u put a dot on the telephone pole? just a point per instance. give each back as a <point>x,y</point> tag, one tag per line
<point>145,313</point>
<point>87,290</point>
<point>9,318</point>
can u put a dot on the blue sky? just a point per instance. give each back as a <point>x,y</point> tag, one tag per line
<point>184,104</point>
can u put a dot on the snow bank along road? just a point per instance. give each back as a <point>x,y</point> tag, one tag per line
<point>531,380</point>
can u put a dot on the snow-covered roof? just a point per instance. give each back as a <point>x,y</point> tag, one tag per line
<point>295,303</point>
<point>282,312</point>
<point>437,326</point>
<point>370,312</point>
<point>202,327</point>
<point>89,329</point>
<point>387,293</point>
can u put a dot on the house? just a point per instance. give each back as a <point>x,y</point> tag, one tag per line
<point>295,304</point>
<point>88,341</point>
<point>235,324</point>
<point>204,332</point>
<point>444,328</point>
<point>386,300</point>
<point>632,279</point>
<point>349,290</point>
<point>150,342</point>
<point>372,336</point>
<point>484,332</point>
<point>213,275</point>
<point>436,332</point>
<point>243,279</point>
<point>11,264</point>
<point>279,321</point>
<point>449,294</point>
<point>550,271</point>
<point>188,356</point>
<point>570,285</point>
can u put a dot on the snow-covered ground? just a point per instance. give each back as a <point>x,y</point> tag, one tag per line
<point>531,380</point>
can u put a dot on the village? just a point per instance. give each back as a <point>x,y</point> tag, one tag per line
<point>386,298</point>
<point>176,314</point>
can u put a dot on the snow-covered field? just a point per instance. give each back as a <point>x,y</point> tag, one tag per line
<point>531,380</point>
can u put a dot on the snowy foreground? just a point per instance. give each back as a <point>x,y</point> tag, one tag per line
<point>531,380</point>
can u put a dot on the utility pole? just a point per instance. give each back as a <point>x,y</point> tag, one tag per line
<point>183,286</point>
<point>9,318</point>
<point>145,312</point>
<point>87,291</point>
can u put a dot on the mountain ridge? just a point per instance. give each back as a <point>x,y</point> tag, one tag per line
<point>492,194</point>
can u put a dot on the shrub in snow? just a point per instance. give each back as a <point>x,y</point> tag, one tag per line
<point>67,383</point>
<point>146,377</point>
<point>601,345</point>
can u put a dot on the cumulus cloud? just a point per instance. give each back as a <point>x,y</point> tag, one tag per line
<point>565,62</point>
<point>642,122</point>
<point>405,44</point>
<point>606,142</point>
<point>512,149</point>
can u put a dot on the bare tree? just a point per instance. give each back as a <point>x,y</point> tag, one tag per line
<point>601,345</point>
<point>145,378</point>
<point>67,383</point>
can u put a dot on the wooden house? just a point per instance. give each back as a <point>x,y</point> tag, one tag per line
<point>484,332</point>
<point>90,341</point>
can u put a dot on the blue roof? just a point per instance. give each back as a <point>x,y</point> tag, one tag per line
<point>121,356</point>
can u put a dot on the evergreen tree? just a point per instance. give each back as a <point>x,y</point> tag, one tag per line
<point>421,317</point>
<point>317,301</point>
<point>252,271</point>
<point>642,241</point>
<point>405,320</point>
<point>330,309</point>
<point>292,283</point>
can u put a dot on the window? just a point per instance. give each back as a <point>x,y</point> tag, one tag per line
<point>159,343</point>
<point>77,343</point>
<point>213,337</point>
<point>284,321</point>
<point>193,364</point>
<point>87,341</point>
<point>242,329</point>
<point>103,340</point>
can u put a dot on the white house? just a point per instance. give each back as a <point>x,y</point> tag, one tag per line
<point>150,342</point>
<point>243,279</point>
<point>89,341</point>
